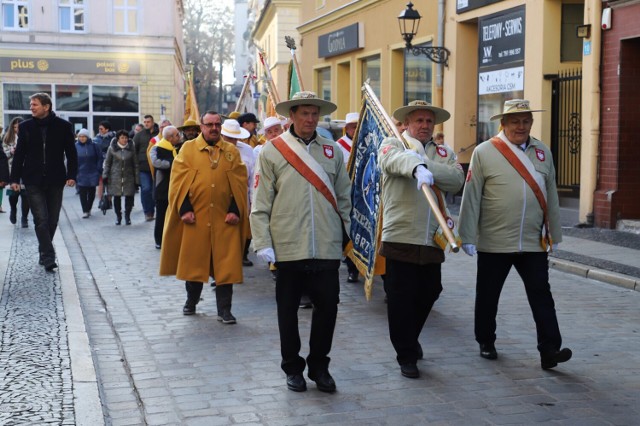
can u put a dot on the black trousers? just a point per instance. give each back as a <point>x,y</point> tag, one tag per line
<point>533,268</point>
<point>161,212</point>
<point>323,287</point>
<point>87,196</point>
<point>128,204</point>
<point>411,292</point>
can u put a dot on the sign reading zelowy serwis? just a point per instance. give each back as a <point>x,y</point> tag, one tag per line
<point>76,66</point>
<point>341,41</point>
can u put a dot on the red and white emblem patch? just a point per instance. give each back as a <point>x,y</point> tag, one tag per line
<point>386,149</point>
<point>328,151</point>
<point>256,180</point>
<point>468,175</point>
<point>540,154</point>
<point>441,152</point>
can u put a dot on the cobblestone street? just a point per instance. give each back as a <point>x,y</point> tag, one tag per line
<point>156,366</point>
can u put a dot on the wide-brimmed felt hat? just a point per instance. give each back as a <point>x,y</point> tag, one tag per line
<point>272,121</point>
<point>188,124</point>
<point>247,117</point>
<point>441,115</point>
<point>231,128</point>
<point>515,106</point>
<point>306,98</point>
<point>233,115</point>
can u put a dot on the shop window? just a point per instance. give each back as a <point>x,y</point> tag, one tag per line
<point>115,99</point>
<point>72,98</point>
<point>125,16</point>
<point>371,72</point>
<point>417,77</point>
<point>16,95</point>
<point>324,83</point>
<point>570,43</point>
<point>15,15</point>
<point>71,15</point>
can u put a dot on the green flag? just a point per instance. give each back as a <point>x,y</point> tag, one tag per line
<point>293,81</point>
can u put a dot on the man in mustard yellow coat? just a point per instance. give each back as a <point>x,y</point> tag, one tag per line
<point>204,231</point>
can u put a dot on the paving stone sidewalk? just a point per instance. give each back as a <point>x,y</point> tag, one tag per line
<point>157,366</point>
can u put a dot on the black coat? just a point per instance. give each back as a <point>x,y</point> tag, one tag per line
<point>4,167</point>
<point>43,146</point>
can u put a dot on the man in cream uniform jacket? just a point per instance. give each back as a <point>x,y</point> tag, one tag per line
<point>413,260</point>
<point>300,213</point>
<point>501,220</point>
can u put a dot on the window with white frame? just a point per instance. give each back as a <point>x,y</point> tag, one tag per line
<point>125,16</point>
<point>15,14</point>
<point>71,14</point>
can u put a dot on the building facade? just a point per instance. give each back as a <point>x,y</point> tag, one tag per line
<point>554,53</point>
<point>111,59</point>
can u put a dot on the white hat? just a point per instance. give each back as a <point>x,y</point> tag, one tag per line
<point>232,129</point>
<point>272,121</point>
<point>306,98</point>
<point>84,132</point>
<point>352,117</point>
<point>515,106</point>
<point>441,115</point>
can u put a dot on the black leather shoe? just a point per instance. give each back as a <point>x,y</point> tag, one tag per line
<point>410,370</point>
<point>324,381</point>
<point>189,308</point>
<point>488,351</point>
<point>226,317</point>
<point>552,359</point>
<point>246,262</point>
<point>296,383</point>
<point>305,302</point>
<point>353,277</point>
<point>53,265</point>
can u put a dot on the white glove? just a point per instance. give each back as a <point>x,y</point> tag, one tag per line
<point>414,153</point>
<point>423,175</point>
<point>470,249</point>
<point>267,255</point>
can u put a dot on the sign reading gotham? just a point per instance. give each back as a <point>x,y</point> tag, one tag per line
<point>76,66</point>
<point>341,41</point>
<point>501,38</point>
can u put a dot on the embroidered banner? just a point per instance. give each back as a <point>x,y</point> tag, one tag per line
<point>366,217</point>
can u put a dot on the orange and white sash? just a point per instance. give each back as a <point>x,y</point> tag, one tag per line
<point>308,167</point>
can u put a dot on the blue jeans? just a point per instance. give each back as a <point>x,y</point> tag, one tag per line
<point>45,202</point>
<point>146,193</point>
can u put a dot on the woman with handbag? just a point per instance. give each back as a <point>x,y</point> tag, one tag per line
<point>9,142</point>
<point>120,175</point>
<point>89,170</point>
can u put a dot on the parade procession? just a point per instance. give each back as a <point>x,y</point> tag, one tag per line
<point>291,214</point>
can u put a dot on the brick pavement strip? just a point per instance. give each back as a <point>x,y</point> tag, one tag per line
<point>210,373</point>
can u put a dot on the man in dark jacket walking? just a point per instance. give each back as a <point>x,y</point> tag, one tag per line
<point>45,141</point>
<point>141,142</point>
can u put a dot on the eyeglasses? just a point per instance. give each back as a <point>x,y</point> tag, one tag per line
<point>211,125</point>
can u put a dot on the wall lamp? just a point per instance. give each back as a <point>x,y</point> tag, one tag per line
<point>409,21</point>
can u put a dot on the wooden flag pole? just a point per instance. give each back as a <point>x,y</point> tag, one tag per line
<point>291,44</point>
<point>273,90</point>
<point>244,91</point>
<point>433,203</point>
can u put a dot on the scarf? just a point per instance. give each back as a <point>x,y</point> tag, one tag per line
<point>165,144</point>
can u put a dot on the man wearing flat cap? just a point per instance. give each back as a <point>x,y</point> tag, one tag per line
<point>413,259</point>
<point>299,215</point>
<point>249,122</point>
<point>510,217</point>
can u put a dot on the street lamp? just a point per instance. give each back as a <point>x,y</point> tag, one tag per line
<point>409,21</point>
